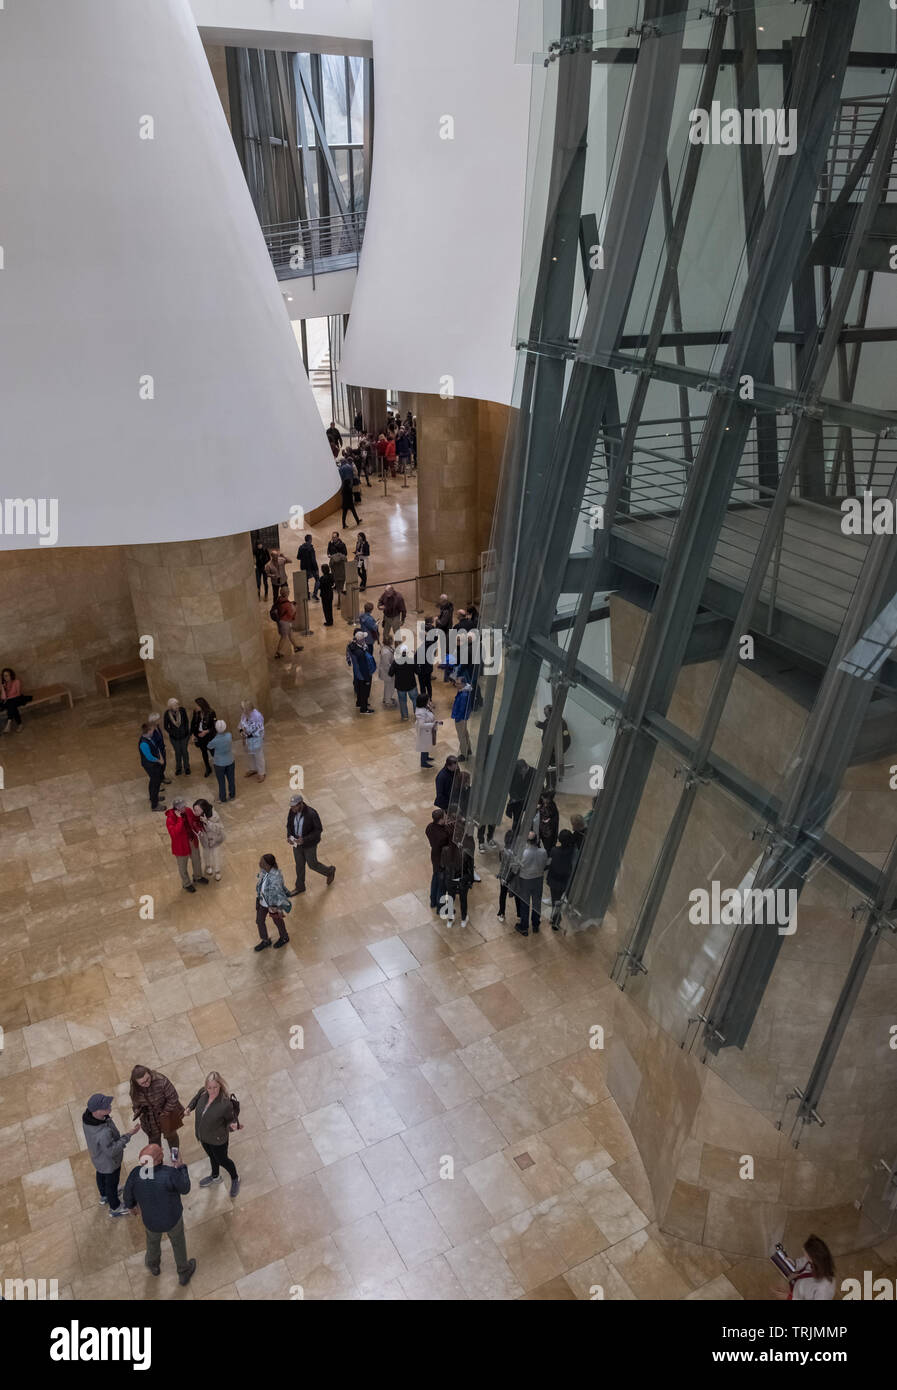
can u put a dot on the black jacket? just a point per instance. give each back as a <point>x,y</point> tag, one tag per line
<point>312,829</point>
<point>173,730</point>
<point>158,1196</point>
<point>444,620</point>
<point>561,865</point>
<point>444,779</point>
<point>307,558</point>
<point>194,726</point>
<point>336,548</point>
<point>404,675</point>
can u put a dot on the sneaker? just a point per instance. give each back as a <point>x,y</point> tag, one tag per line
<point>119,1211</point>
<point>500,916</point>
<point>235,1187</point>
<point>201,880</point>
<point>103,1201</point>
<point>331,875</point>
<point>491,844</point>
<point>465,921</point>
<point>282,942</point>
<point>476,877</point>
<point>189,888</point>
<point>217,878</point>
<point>188,1273</point>
<point>262,944</point>
<point>207,1182</point>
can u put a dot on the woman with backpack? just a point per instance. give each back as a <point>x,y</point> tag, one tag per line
<point>457,878</point>
<point>271,899</point>
<point>215,1117</point>
<point>402,670</point>
<point>283,613</point>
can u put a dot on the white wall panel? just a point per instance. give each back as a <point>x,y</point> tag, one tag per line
<point>440,266</point>
<point>325,26</point>
<point>126,257</point>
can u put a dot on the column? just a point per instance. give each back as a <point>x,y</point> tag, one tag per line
<point>448,440</point>
<point>197,601</point>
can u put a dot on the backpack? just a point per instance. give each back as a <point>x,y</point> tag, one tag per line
<point>273,613</point>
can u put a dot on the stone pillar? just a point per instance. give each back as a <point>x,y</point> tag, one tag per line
<point>373,409</point>
<point>448,440</point>
<point>198,602</point>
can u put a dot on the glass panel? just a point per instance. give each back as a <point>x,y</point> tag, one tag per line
<point>356,100</point>
<point>334,99</point>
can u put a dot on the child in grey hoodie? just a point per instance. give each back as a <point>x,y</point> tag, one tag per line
<point>106,1147</point>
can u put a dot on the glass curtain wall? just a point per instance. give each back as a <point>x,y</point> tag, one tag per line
<point>303,127</point>
<point>689,607</point>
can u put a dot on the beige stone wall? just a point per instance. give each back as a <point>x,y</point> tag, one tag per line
<point>63,613</point>
<point>694,1121</point>
<point>198,602</point>
<point>460,442</point>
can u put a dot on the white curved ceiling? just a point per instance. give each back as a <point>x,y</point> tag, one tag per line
<point>126,258</point>
<point>440,267</point>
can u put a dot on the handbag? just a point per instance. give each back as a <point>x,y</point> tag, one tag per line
<point>356,494</point>
<point>170,1121</point>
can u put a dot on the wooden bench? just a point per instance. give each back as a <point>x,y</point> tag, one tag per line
<point>47,693</point>
<point>125,671</point>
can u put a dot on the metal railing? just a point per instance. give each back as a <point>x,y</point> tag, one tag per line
<point>315,245</point>
<point>462,587</point>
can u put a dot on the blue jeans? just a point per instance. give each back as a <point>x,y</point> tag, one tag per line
<point>226,778</point>
<point>436,888</point>
<point>403,703</point>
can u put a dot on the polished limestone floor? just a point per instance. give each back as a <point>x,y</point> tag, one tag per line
<point>443,1132</point>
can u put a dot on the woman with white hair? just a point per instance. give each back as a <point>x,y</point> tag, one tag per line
<point>252,728</point>
<point>221,748</point>
<point>156,739</point>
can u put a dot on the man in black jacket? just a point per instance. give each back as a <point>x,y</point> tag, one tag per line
<point>444,779</point>
<point>157,1190</point>
<point>304,831</point>
<point>308,564</point>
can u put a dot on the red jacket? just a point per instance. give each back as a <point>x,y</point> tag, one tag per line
<point>390,452</point>
<point>184,828</point>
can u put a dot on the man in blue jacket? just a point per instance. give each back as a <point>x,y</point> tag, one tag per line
<point>363,665</point>
<point>460,714</point>
<point>157,1189</point>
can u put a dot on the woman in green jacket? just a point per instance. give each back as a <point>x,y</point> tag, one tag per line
<point>214,1119</point>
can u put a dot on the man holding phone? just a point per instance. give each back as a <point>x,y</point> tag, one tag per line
<point>157,1189</point>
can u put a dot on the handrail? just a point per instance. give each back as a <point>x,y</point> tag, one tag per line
<point>314,245</point>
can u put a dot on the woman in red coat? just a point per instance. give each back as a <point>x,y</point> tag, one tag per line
<point>389,456</point>
<point>184,831</point>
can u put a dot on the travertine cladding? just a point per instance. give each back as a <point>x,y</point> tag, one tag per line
<point>694,1122</point>
<point>63,613</point>
<point>198,602</point>
<point>460,444</point>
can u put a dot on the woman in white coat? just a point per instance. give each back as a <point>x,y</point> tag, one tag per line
<point>252,727</point>
<point>426,725</point>
<point>211,837</point>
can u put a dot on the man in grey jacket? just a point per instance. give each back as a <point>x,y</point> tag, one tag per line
<point>105,1146</point>
<point>530,880</point>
